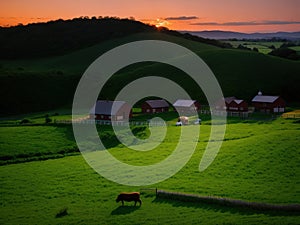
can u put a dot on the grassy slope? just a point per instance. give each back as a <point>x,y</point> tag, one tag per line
<point>258,161</point>
<point>252,161</point>
<point>263,47</point>
<point>34,192</point>
<point>30,141</point>
<point>52,81</point>
<point>78,61</point>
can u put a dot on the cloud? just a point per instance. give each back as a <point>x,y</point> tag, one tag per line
<point>247,23</point>
<point>182,18</point>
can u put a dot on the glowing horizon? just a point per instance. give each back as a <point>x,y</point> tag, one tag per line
<point>234,15</point>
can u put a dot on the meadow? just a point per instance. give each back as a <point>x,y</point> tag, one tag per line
<point>258,162</point>
<point>262,46</point>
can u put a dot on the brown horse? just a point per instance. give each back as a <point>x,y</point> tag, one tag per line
<point>129,197</point>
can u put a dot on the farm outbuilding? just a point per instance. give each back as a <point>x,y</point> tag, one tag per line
<point>155,106</point>
<point>268,103</point>
<point>233,106</point>
<point>111,110</point>
<point>186,106</point>
<point>237,105</point>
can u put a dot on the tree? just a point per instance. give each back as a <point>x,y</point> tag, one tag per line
<point>47,119</point>
<point>285,53</point>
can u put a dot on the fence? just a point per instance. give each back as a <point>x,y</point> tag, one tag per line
<point>294,114</point>
<point>114,123</point>
<point>226,201</point>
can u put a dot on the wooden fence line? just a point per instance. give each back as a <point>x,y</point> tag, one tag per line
<point>119,123</point>
<point>227,201</point>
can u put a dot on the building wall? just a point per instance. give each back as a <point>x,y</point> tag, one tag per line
<point>234,107</point>
<point>188,110</point>
<point>276,106</point>
<point>121,115</point>
<point>197,105</point>
<point>146,108</point>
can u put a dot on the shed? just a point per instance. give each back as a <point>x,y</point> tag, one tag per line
<point>111,110</point>
<point>268,103</point>
<point>155,106</point>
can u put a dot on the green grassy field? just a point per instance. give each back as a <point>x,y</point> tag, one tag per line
<point>258,161</point>
<point>33,193</point>
<point>262,46</point>
<point>296,48</point>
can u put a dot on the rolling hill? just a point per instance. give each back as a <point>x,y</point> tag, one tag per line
<point>225,35</point>
<point>49,80</point>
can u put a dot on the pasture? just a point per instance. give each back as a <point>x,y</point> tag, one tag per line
<point>258,161</point>
<point>262,46</point>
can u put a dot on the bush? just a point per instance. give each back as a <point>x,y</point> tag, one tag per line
<point>62,212</point>
<point>24,121</point>
<point>285,53</point>
<point>48,120</point>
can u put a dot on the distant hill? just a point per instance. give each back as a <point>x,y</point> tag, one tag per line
<point>63,36</point>
<point>41,81</point>
<point>225,35</point>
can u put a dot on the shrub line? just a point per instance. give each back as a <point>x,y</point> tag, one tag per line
<point>42,157</point>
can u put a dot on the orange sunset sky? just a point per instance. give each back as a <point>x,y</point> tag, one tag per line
<point>234,15</point>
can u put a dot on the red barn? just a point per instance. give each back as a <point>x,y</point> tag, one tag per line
<point>237,105</point>
<point>186,106</point>
<point>232,104</point>
<point>111,110</point>
<point>268,104</point>
<point>155,106</point>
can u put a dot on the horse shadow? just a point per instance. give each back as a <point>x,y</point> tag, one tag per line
<point>122,210</point>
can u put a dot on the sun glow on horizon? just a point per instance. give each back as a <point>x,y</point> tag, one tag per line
<point>161,23</point>
<point>197,15</point>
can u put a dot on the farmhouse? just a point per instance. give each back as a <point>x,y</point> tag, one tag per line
<point>155,106</point>
<point>186,106</point>
<point>111,110</point>
<point>268,104</point>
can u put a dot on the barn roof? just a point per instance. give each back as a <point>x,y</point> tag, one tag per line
<point>104,107</point>
<point>158,103</point>
<point>238,101</point>
<point>184,103</point>
<point>265,98</point>
<point>229,99</point>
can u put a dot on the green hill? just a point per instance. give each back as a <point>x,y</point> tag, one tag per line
<point>34,84</point>
<point>258,162</point>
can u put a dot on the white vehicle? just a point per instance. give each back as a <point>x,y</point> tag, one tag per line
<point>179,123</point>
<point>197,121</point>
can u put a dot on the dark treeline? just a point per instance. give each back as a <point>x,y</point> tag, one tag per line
<point>286,53</point>
<point>63,36</point>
